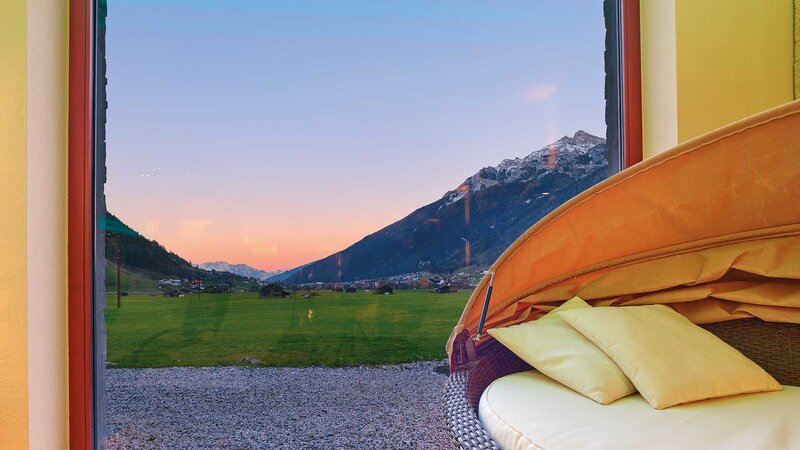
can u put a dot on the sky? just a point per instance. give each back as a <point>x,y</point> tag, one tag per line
<point>275,133</point>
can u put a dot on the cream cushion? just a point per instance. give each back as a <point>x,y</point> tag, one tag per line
<point>554,348</point>
<point>669,359</point>
<point>527,410</point>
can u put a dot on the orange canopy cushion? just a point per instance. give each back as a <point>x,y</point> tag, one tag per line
<point>707,227</point>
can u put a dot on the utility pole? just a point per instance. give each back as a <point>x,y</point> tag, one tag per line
<point>119,284</point>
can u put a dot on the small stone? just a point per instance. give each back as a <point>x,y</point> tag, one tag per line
<point>249,360</point>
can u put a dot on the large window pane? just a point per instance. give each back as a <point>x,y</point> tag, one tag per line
<point>302,195</point>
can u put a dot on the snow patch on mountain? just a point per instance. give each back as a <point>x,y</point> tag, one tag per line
<point>571,155</point>
<point>239,269</point>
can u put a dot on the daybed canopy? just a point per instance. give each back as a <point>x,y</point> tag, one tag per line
<point>711,227</point>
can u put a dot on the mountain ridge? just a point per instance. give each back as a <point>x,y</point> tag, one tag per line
<point>239,269</point>
<point>467,226</point>
<point>474,223</point>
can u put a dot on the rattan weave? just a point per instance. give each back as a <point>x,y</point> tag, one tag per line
<point>774,346</point>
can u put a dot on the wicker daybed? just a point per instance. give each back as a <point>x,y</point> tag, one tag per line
<point>709,228</point>
<point>774,346</point>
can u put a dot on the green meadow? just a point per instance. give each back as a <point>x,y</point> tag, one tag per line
<point>332,329</point>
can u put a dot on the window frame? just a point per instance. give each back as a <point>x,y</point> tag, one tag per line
<point>80,226</point>
<point>631,82</point>
<point>84,432</point>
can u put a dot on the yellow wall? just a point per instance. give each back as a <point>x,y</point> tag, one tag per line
<point>13,313</point>
<point>660,85</point>
<point>46,149</point>
<point>734,59</point>
<point>33,175</point>
<point>731,59</point>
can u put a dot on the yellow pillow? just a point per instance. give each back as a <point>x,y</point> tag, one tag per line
<point>669,359</point>
<point>555,349</point>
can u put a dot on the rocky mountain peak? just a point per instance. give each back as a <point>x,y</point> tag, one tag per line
<point>573,155</point>
<point>583,139</point>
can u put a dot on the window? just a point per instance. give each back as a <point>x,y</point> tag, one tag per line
<point>295,199</point>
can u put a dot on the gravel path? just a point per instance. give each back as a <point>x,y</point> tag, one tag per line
<point>384,407</point>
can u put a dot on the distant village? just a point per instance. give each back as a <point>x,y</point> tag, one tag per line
<point>440,284</point>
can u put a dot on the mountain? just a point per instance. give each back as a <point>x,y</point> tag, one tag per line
<point>239,269</point>
<point>144,261</point>
<point>472,224</point>
<point>140,253</point>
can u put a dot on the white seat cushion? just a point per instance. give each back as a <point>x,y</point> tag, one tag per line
<point>527,410</point>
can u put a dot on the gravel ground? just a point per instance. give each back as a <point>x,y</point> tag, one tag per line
<point>383,407</point>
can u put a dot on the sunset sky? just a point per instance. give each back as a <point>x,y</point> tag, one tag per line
<point>274,133</point>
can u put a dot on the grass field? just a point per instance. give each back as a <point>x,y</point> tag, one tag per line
<point>333,329</point>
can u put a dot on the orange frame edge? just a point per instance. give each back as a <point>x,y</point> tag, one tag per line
<point>631,83</point>
<point>80,225</point>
